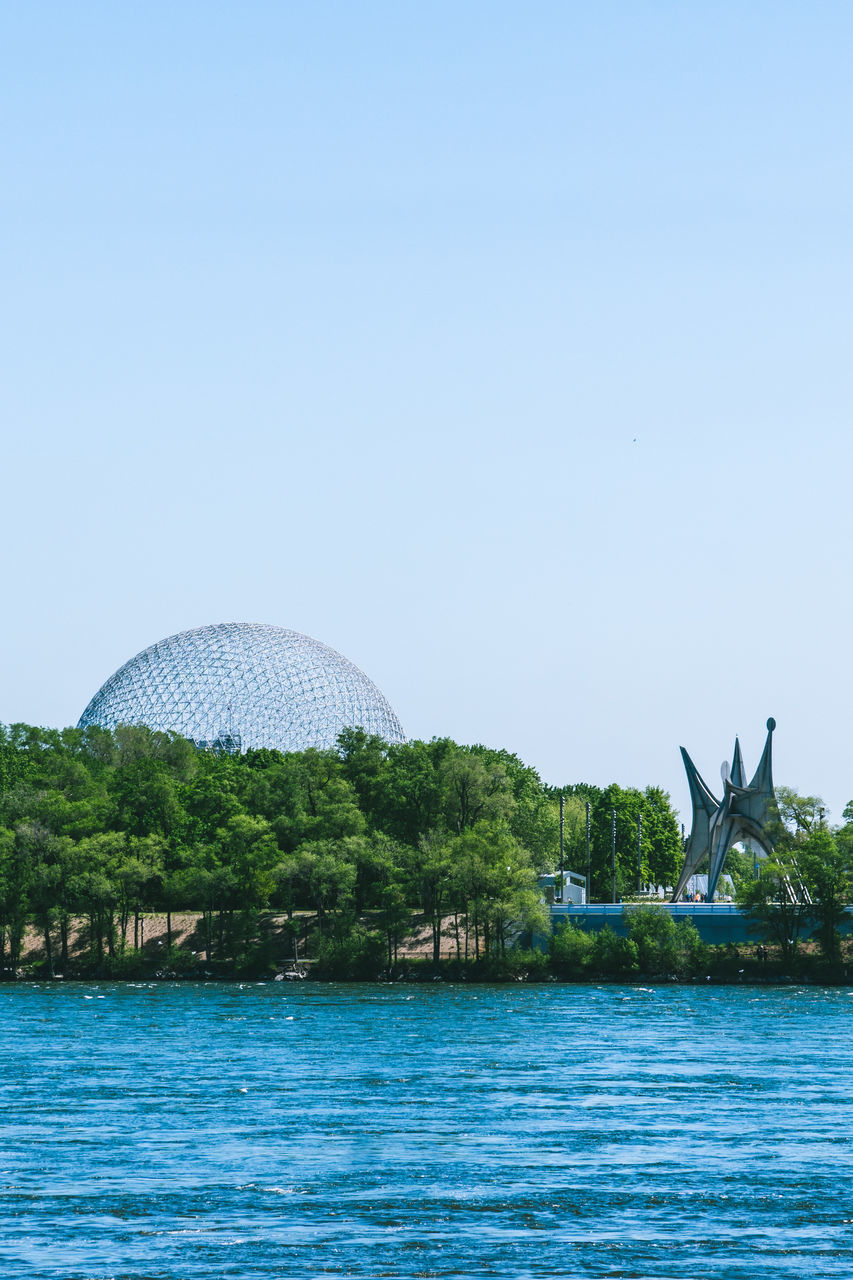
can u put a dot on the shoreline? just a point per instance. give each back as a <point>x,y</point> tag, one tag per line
<point>291,949</point>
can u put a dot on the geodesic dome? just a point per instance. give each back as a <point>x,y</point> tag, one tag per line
<point>239,685</point>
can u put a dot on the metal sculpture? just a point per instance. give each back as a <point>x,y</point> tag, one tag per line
<point>240,685</point>
<point>744,813</point>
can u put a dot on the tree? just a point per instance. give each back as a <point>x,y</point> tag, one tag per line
<point>775,902</point>
<point>395,914</point>
<point>138,873</point>
<point>826,870</point>
<point>306,797</point>
<point>364,760</point>
<point>434,878</point>
<point>534,815</point>
<point>383,884</point>
<point>410,792</point>
<point>44,854</point>
<point>330,875</point>
<point>14,763</point>
<point>108,824</point>
<point>212,797</point>
<point>799,814</point>
<point>146,798</point>
<point>94,891</point>
<point>135,742</point>
<point>14,898</point>
<point>474,790</point>
<point>660,850</point>
<point>493,881</point>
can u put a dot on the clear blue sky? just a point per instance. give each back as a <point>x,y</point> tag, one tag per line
<point>504,348</point>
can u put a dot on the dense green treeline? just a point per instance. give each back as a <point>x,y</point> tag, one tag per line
<point>106,826</point>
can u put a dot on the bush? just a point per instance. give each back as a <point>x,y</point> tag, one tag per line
<point>664,946</point>
<point>693,951</point>
<point>129,965</point>
<point>357,957</point>
<point>518,964</point>
<point>571,951</point>
<point>612,956</point>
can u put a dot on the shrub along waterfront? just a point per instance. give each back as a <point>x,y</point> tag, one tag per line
<point>366,844</point>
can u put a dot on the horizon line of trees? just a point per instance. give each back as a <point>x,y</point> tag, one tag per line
<point>106,826</point>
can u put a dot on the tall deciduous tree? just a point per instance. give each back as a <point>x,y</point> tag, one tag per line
<point>494,884</point>
<point>474,790</point>
<point>774,901</point>
<point>14,899</point>
<point>826,869</point>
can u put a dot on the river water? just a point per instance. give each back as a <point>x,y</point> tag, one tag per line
<point>180,1131</point>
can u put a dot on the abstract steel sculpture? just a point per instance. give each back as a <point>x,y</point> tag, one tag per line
<point>744,813</point>
<point>240,685</point>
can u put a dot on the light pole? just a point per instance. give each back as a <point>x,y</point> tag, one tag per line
<point>588,864</point>
<point>562,877</point>
<point>613,849</point>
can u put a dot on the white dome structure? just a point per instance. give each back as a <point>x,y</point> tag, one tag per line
<point>241,685</point>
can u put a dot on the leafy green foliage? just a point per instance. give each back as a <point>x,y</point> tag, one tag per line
<point>775,904</point>
<point>660,849</point>
<point>571,951</point>
<point>809,880</point>
<point>664,946</point>
<point>826,869</point>
<point>372,840</point>
<point>655,945</point>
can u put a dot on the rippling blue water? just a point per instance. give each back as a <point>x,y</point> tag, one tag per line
<point>179,1131</point>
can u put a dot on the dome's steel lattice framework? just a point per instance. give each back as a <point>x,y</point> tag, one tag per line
<point>238,685</point>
